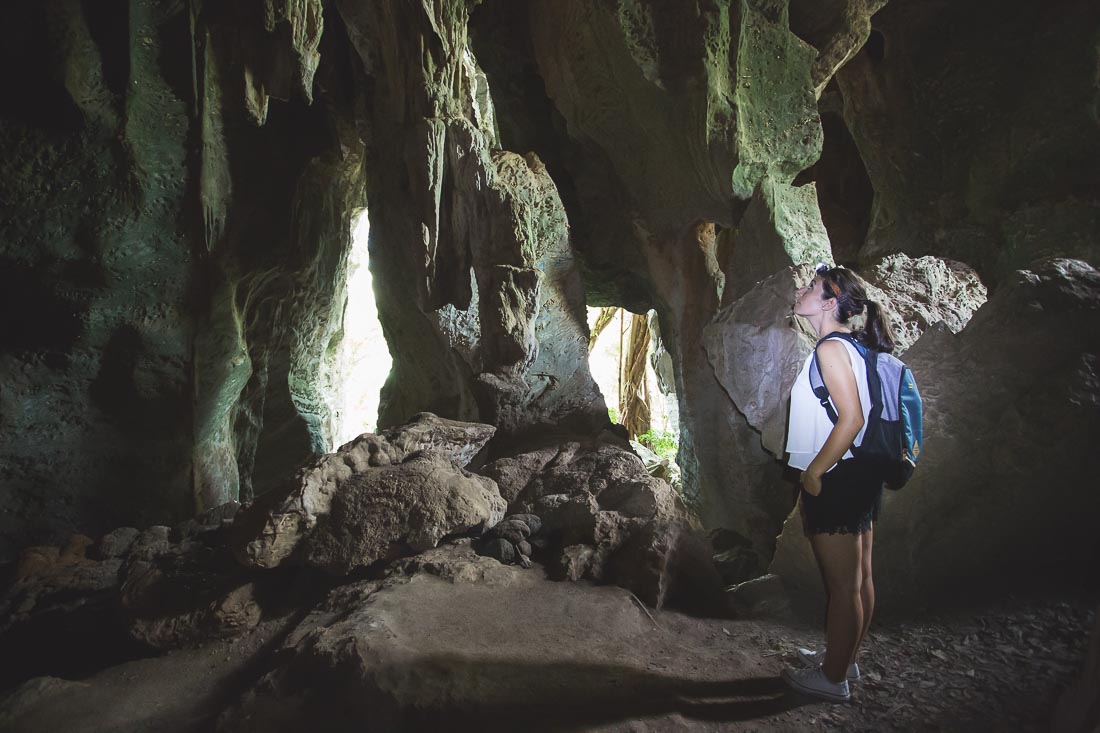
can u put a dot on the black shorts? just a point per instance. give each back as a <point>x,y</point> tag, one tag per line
<point>850,500</point>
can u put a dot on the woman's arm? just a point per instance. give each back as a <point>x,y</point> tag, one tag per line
<point>836,372</point>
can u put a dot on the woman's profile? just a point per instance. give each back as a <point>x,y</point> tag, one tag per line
<point>840,496</point>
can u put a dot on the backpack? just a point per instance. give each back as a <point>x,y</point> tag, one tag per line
<point>894,429</point>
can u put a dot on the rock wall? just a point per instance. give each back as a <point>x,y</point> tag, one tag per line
<point>478,290</point>
<point>968,160</point>
<point>182,179</point>
<point>727,94</point>
<point>172,272</point>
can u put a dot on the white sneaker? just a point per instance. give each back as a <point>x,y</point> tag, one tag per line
<point>812,681</point>
<point>815,659</point>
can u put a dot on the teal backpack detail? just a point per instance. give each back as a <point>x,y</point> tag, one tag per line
<point>894,426</point>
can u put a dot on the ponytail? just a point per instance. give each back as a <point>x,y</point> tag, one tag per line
<point>877,332</point>
<point>850,293</point>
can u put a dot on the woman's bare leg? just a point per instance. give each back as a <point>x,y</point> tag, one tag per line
<point>840,558</point>
<point>866,587</point>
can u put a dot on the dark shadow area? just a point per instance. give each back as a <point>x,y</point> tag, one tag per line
<point>844,190</point>
<point>507,695</point>
<point>68,644</point>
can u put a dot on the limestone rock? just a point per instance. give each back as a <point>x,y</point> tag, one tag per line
<point>52,581</point>
<point>31,693</point>
<point>781,227</point>
<point>836,28</point>
<point>611,520</point>
<point>117,542</point>
<point>1012,405</point>
<point>186,593</point>
<point>270,531</point>
<point>371,665</point>
<point>461,441</point>
<point>996,185</point>
<point>921,292</point>
<point>377,514</point>
<point>756,354</point>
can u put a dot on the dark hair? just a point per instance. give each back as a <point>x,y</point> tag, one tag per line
<point>851,298</point>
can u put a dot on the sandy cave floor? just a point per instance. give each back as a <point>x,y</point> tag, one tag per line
<point>532,654</point>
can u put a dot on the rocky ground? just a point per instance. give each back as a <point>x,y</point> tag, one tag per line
<point>453,641</point>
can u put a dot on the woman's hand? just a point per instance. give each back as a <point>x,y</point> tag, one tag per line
<point>811,482</point>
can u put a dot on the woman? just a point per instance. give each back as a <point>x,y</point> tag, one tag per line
<point>840,496</point>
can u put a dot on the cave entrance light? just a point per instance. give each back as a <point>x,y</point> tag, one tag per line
<point>620,357</point>
<point>362,360</point>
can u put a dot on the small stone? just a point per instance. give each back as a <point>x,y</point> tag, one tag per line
<point>512,530</point>
<point>117,542</point>
<point>499,549</point>
<point>524,547</point>
<point>531,520</point>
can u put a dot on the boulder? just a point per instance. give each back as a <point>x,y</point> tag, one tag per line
<point>609,520</point>
<point>1012,409</point>
<point>387,511</point>
<point>413,470</point>
<point>449,629</point>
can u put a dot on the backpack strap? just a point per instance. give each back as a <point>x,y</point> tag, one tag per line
<point>817,384</point>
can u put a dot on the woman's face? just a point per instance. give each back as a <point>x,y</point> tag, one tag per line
<point>807,300</point>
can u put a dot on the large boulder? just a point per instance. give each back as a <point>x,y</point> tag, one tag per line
<point>1004,488</point>
<point>386,512</point>
<point>452,638</point>
<point>606,518</point>
<point>373,497</point>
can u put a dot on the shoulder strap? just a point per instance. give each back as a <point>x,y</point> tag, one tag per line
<point>817,384</point>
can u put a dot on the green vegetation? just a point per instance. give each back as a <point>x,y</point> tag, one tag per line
<point>662,442</point>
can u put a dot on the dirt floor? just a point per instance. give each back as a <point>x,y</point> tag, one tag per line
<point>529,654</point>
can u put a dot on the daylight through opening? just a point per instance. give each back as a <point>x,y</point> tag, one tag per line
<point>362,359</point>
<point>634,372</point>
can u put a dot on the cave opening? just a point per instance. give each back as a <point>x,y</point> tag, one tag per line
<point>360,358</point>
<point>633,370</point>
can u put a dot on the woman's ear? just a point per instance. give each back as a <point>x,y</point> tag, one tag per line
<point>828,304</point>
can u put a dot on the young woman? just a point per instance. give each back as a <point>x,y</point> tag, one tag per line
<point>840,496</point>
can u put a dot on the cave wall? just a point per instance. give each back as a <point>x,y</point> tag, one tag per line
<point>979,130</point>
<point>171,249</point>
<point>179,181</point>
<point>96,268</point>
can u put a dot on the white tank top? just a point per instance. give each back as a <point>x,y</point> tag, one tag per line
<point>809,425</point>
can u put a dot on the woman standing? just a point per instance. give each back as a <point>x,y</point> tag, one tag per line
<point>840,495</point>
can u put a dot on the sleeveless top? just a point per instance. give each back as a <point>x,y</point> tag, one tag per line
<point>809,425</point>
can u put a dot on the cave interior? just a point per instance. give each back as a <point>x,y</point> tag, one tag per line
<point>195,535</point>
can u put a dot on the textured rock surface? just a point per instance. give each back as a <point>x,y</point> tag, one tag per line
<point>372,498</point>
<point>499,637</point>
<point>388,511</point>
<point>781,227</point>
<point>607,519</point>
<point>87,605</point>
<point>174,293</point>
<point>470,246</point>
<point>757,349</point>
<point>923,292</point>
<point>1012,408</point>
<point>987,168</point>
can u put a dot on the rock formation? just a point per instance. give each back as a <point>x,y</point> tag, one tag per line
<point>372,499</point>
<point>179,181</point>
